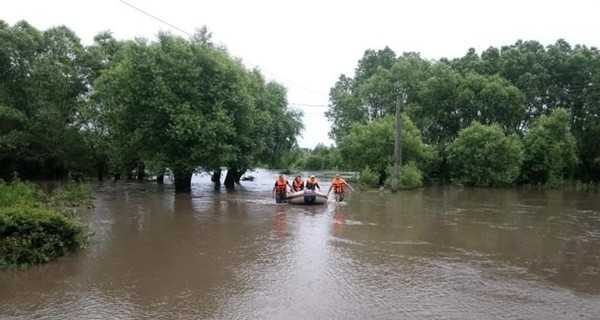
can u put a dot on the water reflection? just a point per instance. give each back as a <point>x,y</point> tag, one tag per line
<point>433,253</point>
<point>338,221</point>
<point>280,222</point>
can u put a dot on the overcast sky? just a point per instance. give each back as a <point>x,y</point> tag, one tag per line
<point>306,45</point>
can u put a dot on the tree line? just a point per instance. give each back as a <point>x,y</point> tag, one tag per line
<point>521,113</point>
<point>123,108</point>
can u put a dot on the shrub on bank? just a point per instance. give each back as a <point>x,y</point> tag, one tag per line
<point>72,195</point>
<point>19,192</point>
<point>32,230</point>
<point>31,235</point>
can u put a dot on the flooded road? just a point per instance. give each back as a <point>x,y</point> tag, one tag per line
<point>436,253</point>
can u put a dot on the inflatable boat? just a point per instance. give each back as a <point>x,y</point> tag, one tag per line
<point>307,197</point>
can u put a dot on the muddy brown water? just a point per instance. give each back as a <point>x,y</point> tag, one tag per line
<point>436,253</point>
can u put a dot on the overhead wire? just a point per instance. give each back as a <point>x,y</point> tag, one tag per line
<point>300,86</point>
<point>276,76</point>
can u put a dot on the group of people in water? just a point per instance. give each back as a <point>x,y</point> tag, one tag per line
<point>280,189</point>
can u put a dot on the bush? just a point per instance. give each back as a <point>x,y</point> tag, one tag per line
<point>72,195</point>
<point>314,162</point>
<point>484,156</point>
<point>33,235</point>
<point>410,177</point>
<point>19,192</point>
<point>368,179</point>
<point>550,150</point>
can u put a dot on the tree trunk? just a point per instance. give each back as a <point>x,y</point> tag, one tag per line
<point>160,177</point>
<point>100,170</point>
<point>230,178</point>
<point>239,175</point>
<point>141,172</point>
<point>216,177</point>
<point>183,181</point>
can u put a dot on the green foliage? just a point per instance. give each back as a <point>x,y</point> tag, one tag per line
<point>484,156</point>
<point>291,160</point>
<point>372,145</point>
<point>19,193</point>
<point>450,101</point>
<point>29,231</point>
<point>42,82</point>
<point>410,177</point>
<point>314,162</point>
<point>510,86</point>
<point>200,105</point>
<point>72,195</point>
<point>550,150</point>
<point>33,235</point>
<point>368,179</point>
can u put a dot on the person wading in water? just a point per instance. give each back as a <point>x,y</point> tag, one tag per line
<point>339,186</point>
<point>280,189</point>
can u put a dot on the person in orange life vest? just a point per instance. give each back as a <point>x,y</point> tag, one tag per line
<point>298,184</point>
<point>312,183</point>
<point>280,189</point>
<point>339,185</point>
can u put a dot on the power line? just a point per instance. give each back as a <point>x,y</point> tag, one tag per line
<point>156,18</point>
<point>250,63</point>
<point>308,105</point>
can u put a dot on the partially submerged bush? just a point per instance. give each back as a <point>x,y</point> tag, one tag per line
<point>33,235</point>
<point>410,177</point>
<point>72,195</point>
<point>368,179</point>
<point>31,228</point>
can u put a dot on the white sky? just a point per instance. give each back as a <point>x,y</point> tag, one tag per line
<point>307,44</point>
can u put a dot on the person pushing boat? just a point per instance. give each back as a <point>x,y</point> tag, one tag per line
<point>312,183</point>
<point>280,189</point>
<point>339,187</point>
<point>298,184</point>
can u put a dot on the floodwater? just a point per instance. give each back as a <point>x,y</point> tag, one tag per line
<point>436,253</point>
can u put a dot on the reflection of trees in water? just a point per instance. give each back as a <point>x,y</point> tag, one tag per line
<point>167,253</point>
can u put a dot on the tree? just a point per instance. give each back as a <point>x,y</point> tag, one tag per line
<point>41,84</point>
<point>187,106</point>
<point>483,155</point>
<point>550,150</point>
<point>372,145</point>
<point>364,97</point>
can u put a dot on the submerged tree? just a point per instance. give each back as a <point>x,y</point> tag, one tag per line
<point>187,106</point>
<point>550,150</point>
<point>41,84</point>
<point>372,145</point>
<point>483,155</point>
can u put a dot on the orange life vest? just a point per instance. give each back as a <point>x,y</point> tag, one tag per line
<point>338,185</point>
<point>281,186</point>
<point>297,185</point>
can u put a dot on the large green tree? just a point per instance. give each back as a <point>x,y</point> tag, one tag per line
<point>550,150</point>
<point>483,155</point>
<point>187,105</point>
<point>41,85</point>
